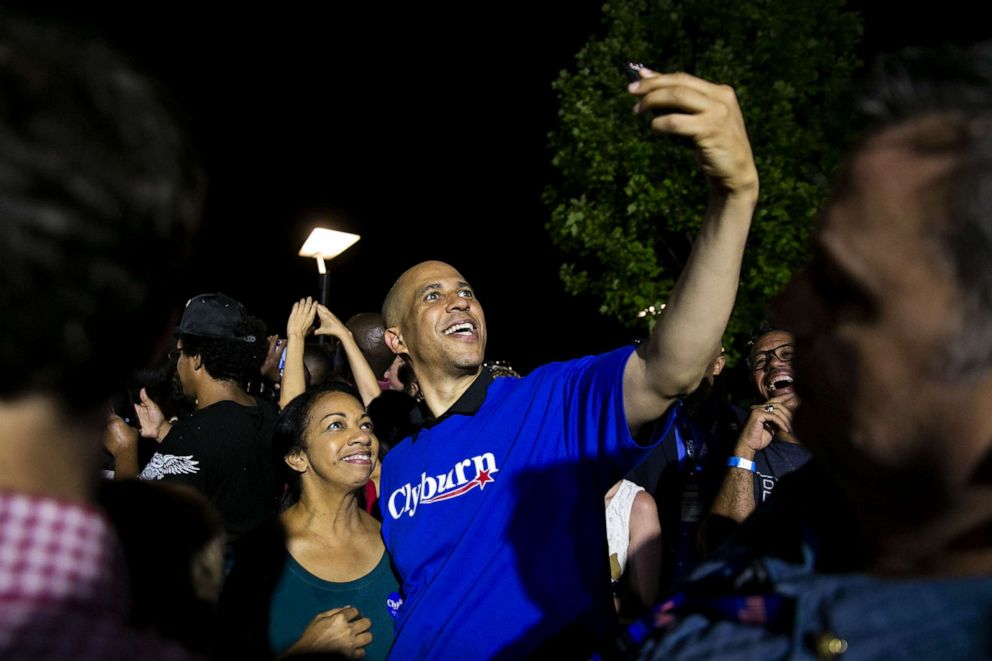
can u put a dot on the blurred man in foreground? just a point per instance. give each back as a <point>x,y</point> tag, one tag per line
<point>98,195</point>
<point>893,333</point>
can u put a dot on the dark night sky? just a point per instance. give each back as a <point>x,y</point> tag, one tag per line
<point>421,128</point>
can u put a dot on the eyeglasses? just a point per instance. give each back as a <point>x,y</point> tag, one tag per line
<point>758,361</point>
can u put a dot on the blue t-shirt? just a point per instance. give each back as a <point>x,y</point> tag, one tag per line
<point>494,517</point>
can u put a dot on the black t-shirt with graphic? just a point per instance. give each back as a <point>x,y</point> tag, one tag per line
<point>225,451</point>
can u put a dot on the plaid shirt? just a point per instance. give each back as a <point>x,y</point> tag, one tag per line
<point>63,585</point>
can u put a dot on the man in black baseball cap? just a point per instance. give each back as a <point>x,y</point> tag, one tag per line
<point>217,316</point>
<point>222,448</point>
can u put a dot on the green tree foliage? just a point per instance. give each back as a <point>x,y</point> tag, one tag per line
<point>628,202</point>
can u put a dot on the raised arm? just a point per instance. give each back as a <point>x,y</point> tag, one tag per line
<point>365,380</point>
<point>300,322</point>
<point>121,441</point>
<point>675,358</point>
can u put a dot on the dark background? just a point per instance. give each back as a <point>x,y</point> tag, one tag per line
<point>422,128</point>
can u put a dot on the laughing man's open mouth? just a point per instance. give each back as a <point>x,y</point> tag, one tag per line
<point>780,382</point>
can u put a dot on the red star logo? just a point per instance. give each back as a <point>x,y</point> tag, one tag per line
<point>483,478</point>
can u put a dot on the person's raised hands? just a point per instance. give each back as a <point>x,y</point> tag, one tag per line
<point>710,116</point>
<point>330,324</point>
<point>301,318</point>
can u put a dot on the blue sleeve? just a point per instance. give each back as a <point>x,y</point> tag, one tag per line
<point>595,420</point>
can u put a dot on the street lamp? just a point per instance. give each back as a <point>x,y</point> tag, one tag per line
<point>324,244</point>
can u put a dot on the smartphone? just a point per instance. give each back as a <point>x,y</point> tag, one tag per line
<point>282,362</point>
<point>633,71</point>
<point>123,405</point>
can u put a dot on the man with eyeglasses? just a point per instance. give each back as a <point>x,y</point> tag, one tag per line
<point>766,449</point>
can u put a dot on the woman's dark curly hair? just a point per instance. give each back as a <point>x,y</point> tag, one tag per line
<point>291,430</point>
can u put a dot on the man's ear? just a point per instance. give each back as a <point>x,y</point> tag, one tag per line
<point>297,461</point>
<point>196,361</point>
<point>718,365</point>
<point>394,340</point>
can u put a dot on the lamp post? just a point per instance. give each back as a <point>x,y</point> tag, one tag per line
<point>324,245</point>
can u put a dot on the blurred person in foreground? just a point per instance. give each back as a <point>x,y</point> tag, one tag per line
<point>173,541</point>
<point>94,169</point>
<point>893,330</point>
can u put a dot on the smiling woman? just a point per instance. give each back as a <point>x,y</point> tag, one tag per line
<point>325,438</point>
<point>332,588</point>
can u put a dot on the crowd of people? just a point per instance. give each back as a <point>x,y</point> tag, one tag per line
<point>373,489</point>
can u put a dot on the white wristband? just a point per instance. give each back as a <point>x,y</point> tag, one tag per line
<point>741,462</point>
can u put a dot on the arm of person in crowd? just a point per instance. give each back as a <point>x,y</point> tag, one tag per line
<point>153,422</point>
<point>121,440</point>
<point>687,336</point>
<point>300,323</point>
<point>644,549</point>
<point>736,499</point>
<point>339,631</point>
<point>365,378</point>
<point>270,367</point>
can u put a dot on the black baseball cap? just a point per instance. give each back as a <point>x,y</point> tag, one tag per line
<point>217,316</point>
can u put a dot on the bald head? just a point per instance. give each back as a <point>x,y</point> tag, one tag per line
<point>368,329</point>
<point>400,298</point>
<point>433,318</point>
